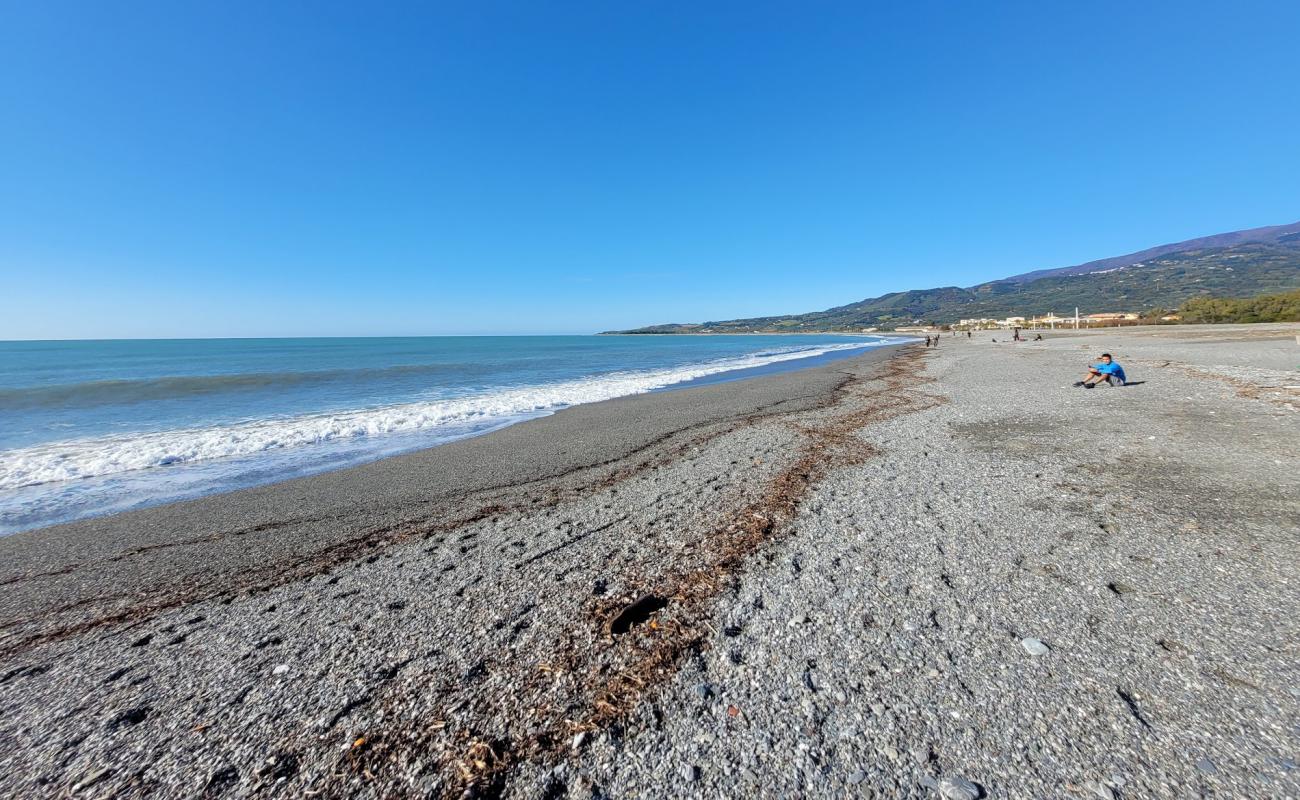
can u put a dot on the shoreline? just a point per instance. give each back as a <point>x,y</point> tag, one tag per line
<point>300,517</point>
<point>187,480</point>
<point>815,583</point>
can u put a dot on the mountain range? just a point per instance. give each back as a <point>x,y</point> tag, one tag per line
<point>1237,264</point>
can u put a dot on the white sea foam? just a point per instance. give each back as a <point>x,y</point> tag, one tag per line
<point>112,455</point>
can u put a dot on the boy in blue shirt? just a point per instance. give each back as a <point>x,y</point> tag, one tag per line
<point>1108,370</point>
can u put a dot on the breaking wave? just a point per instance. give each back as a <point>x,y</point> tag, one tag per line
<point>112,455</point>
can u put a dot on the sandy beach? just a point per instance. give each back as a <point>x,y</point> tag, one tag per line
<point>914,573</point>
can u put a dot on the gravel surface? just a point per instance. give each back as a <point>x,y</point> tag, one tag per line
<point>949,574</point>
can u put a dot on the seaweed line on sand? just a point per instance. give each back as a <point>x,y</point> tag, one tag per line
<point>598,672</point>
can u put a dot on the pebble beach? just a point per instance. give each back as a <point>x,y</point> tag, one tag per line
<point>920,572</point>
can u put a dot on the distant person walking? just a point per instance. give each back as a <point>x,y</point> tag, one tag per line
<point>1016,337</point>
<point>967,334</point>
<point>927,341</point>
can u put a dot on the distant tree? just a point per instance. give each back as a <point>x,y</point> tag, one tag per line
<point>1283,307</point>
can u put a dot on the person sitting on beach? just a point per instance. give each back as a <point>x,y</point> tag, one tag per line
<point>1108,370</point>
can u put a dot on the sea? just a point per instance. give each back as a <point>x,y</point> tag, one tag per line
<point>95,427</point>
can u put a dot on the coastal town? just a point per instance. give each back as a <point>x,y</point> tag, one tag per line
<point>1049,321</point>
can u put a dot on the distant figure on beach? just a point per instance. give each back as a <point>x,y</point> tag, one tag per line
<point>936,340</point>
<point>1016,337</point>
<point>1038,337</point>
<point>967,334</point>
<point>1108,370</point>
<point>927,341</point>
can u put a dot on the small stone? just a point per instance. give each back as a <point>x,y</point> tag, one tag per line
<point>704,690</point>
<point>1101,790</point>
<point>877,709</point>
<point>1034,647</point>
<point>958,788</point>
<point>890,753</point>
<point>798,620</point>
<point>280,669</point>
<point>921,754</point>
<point>578,739</point>
<point>857,777</point>
<point>91,778</point>
<point>1207,766</point>
<point>690,772</point>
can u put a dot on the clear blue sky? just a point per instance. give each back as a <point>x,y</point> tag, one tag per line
<point>230,168</point>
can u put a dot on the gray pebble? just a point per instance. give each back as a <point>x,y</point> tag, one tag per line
<point>958,788</point>
<point>1034,647</point>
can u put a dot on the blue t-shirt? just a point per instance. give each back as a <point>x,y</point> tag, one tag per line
<point>1113,368</point>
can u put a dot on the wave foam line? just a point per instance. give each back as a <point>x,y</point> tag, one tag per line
<point>109,455</point>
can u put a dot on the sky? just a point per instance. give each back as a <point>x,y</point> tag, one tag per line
<point>319,169</point>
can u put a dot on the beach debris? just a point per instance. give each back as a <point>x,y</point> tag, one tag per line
<point>690,772</point>
<point>958,788</point>
<point>1034,647</point>
<point>639,611</point>
<point>809,682</point>
<point>704,690</point>
<point>1207,766</point>
<point>578,739</point>
<point>280,669</point>
<point>732,711</point>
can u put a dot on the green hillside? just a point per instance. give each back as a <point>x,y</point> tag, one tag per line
<point>1166,281</point>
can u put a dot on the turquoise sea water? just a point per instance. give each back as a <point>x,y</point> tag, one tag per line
<point>89,427</point>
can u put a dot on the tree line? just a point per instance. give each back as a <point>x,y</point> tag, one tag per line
<point>1283,307</point>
